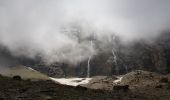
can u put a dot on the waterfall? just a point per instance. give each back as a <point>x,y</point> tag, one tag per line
<point>114,57</point>
<point>115,61</point>
<point>88,63</point>
<point>88,67</point>
<point>126,68</point>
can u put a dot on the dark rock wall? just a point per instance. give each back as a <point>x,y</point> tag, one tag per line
<point>144,55</point>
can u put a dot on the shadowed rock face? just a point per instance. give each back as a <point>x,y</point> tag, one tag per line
<point>144,55</point>
<point>151,56</point>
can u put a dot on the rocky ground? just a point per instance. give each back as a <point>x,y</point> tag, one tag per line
<point>134,79</point>
<point>137,85</point>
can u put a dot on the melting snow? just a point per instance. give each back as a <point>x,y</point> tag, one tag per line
<point>31,68</point>
<point>118,80</point>
<point>72,81</point>
<point>69,81</point>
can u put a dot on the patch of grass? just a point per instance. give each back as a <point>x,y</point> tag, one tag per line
<point>26,73</point>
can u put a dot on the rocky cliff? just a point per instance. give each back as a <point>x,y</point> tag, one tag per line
<point>150,55</point>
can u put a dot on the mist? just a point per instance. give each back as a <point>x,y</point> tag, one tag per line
<point>61,30</point>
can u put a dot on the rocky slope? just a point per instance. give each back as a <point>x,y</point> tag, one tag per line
<point>14,89</point>
<point>135,79</point>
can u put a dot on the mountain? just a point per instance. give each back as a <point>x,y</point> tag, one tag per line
<point>150,55</point>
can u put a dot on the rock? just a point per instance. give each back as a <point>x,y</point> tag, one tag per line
<point>121,88</point>
<point>158,86</point>
<point>80,87</point>
<point>164,80</point>
<point>2,98</point>
<point>17,77</point>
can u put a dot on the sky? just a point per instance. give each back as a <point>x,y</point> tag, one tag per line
<point>61,30</point>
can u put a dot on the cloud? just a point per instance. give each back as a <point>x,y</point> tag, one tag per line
<point>61,30</point>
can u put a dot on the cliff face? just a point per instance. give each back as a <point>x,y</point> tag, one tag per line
<point>164,42</point>
<point>144,55</point>
<point>151,56</point>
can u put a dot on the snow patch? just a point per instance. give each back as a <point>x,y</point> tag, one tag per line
<point>118,80</point>
<point>71,81</point>
<point>31,68</point>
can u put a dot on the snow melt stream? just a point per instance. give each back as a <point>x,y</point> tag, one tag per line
<point>118,80</point>
<point>71,81</point>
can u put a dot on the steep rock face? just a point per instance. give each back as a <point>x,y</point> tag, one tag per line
<point>6,59</point>
<point>50,70</point>
<point>142,55</point>
<point>159,59</point>
<point>164,42</point>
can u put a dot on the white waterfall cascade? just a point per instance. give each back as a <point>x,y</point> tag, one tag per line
<point>126,68</point>
<point>115,61</point>
<point>88,65</point>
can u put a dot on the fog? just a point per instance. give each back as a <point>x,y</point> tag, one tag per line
<point>61,30</point>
